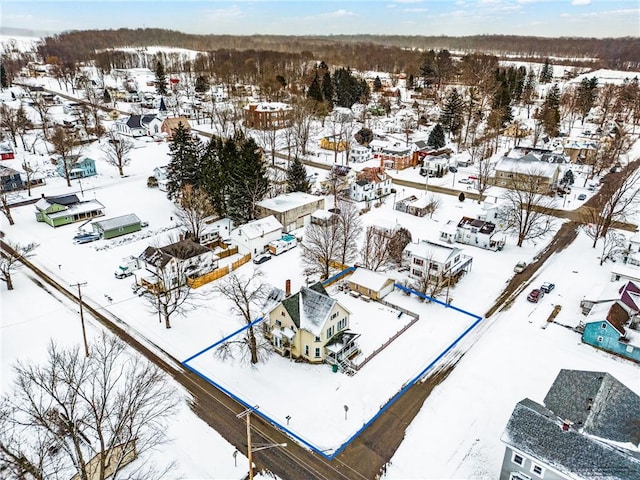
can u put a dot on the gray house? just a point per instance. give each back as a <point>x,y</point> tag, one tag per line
<point>579,433</point>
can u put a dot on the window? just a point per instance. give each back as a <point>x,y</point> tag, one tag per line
<point>330,332</point>
<point>600,338</point>
<point>537,469</point>
<point>629,349</point>
<point>282,313</point>
<point>278,323</point>
<point>306,350</point>
<point>317,352</point>
<point>519,476</point>
<point>603,326</point>
<point>418,261</point>
<point>517,459</point>
<point>334,315</point>
<point>417,273</point>
<point>317,339</point>
<point>342,324</point>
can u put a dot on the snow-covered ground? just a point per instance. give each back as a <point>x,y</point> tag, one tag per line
<point>458,429</point>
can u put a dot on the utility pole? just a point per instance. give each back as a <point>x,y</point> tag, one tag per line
<point>250,449</point>
<point>84,331</point>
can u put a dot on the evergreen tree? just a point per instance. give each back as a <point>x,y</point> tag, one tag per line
<point>348,89</point>
<point>451,115</point>
<point>217,163</point>
<point>546,73</point>
<point>315,92</point>
<point>461,197</point>
<point>202,84</point>
<point>550,114</point>
<point>161,79</point>
<point>4,80</point>
<point>249,182</point>
<point>428,68</point>
<point>529,91</point>
<point>184,167</point>
<point>587,95</point>
<point>377,84</point>
<point>568,178</point>
<point>327,89</point>
<point>106,97</point>
<point>364,136</point>
<point>297,177</point>
<point>436,137</point>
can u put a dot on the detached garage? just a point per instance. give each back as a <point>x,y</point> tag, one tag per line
<point>371,284</point>
<point>114,227</point>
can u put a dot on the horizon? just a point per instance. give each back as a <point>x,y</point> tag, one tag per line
<point>429,18</point>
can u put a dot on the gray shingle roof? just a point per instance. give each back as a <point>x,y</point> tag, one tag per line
<point>597,403</point>
<point>537,432</point>
<point>309,307</point>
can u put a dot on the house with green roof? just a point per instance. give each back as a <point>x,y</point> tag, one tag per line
<point>314,327</point>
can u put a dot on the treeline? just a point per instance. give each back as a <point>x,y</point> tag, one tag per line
<point>393,53</point>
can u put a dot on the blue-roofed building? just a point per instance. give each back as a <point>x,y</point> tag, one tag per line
<point>588,428</point>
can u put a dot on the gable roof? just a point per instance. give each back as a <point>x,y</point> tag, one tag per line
<point>597,403</point>
<point>117,222</point>
<point>172,123</point>
<point>182,250</point>
<point>310,307</point>
<point>630,296</point>
<point>369,279</point>
<point>259,228</point>
<point>537,431</point>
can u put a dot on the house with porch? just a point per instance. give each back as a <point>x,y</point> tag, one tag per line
<point>437,262</point>
<point>254,236</point>
<point>293,210</point>
<point>79,167</point>
<point>614,326</point>
<point>172,265</point>
<point>312,326</point>
<point>135,125</point>
<point>10,179</point>
<point>473,231</point>
<point>371,183</point>
<point>66,209</point>
<point>586,428</point>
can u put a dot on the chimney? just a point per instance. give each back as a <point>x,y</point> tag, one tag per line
<point>566,424</point>
<point>287,288</point>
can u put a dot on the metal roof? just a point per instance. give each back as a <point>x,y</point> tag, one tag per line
<point>117,222</point>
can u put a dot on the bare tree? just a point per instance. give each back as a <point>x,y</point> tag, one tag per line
<point>376,249</point>
<point>336,183</point>
<point>320,247</point>
<point>613,243</point>
<point>42,108</point>
<point>193,209</point>
<point>350,229</point>
<point>248,294</point>
<point>9,121</point>
<point>401,238</point>
<point>63,143</point>
<point>430,284</point>
<point>88,416</point>
<point>433,204</point>
<point>485,170</point>
<point>117,150</point>
<point>5,206</point>
<point>617,200</point>
<point>301,122</point>
<point>10,257</point>
<point>30,172</point>
<point>527,207</point>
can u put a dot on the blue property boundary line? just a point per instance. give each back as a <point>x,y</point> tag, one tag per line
<point>383,409</point>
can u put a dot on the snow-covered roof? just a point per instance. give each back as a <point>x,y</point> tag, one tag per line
<point>78,208</point>
<point>369,279</point>
<point>310,308</point>
<point>258,228</point>
<point>436,251</point>
<point>288,201</point>
<point>117,222</point>
<point>540,169</point>
<point>267,106</point>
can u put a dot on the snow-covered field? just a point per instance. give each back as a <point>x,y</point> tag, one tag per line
<point>456,434</point>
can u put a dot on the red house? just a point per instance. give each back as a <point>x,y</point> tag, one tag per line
<point>6,152</point>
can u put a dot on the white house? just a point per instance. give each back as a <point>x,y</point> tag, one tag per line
<point>631,255</point>
<point>472,231</point>
<point>160,174</point>
<point>253,237</point>
<point>135,125</point>
<point>371,183</point>
<point>436,260</point>
<point>360,153</point>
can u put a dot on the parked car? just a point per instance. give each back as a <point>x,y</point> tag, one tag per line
<point>582,196</point>
<point>453,169</point>
<point>520,266</point>
<point>86,237</point>
<point>547,287</point>
<point>465,181</point>
<point>261,258</point>
<point>535,295</point>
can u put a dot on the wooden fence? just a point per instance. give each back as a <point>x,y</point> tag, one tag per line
<point>208,277</point>
<point>241,261</point>
<point>228,252</point>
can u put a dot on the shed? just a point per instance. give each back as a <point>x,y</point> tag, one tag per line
<point>372,284</point>
<point>114,227</point>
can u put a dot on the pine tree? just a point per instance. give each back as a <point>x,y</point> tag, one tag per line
<point>377,84</point>
<point>106,97</point>
<point>436,137</point>
<point>184,167</point>
<point>217,163</point>
<point>529,91</point>
<point>451,115</point>
<point>550,114</point>
<point>461,197</point>
<point>327,89</point>
<point>297,177</point>
<point>4,80</point>
<point>314,91</point>
<point>202,84</point>
<point>587,95</point>
<point>568,178</point>
<point>161,79</point>
<point>249,182</point>
<point>546,73</point>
